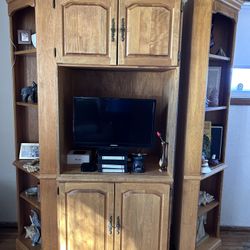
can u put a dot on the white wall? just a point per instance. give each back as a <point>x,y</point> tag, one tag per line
<point>7,155</point>
<point>242,46</point>
<point>236,190</point>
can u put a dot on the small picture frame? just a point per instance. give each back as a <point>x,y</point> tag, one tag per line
<point>29,151</point>
<point>213,86</point>
<point>24,36</point>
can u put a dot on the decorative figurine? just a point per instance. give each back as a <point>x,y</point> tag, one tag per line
<point>205,169</point>
<point>32,166</point>
<point>213,161</point>
<point>33,231</point>
<point>138,163</point>
<point>163,162</point>
<point>29,92</point>
<point>205,198</point>
<point>221,52</point>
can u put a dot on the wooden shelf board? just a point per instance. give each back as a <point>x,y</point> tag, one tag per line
<point>201,177</point>
<point>210,109</point>
<point>120,67</point>
<point>31,200</point>
<point>25,52</point>
<point>19,164</point>
<point>211,243</point>
<point>217,57</point>
<point>23,243</point>
<point>27,104</point>
<point>215,170</point>
<point>205,209</point>
<point>151,174</point>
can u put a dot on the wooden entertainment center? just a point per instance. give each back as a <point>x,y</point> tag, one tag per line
<point>122,49</point>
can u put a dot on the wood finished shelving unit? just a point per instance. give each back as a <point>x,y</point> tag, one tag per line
<point>19,164</point>
<point>33,200</point>
<point>211,109</point>
<point>101,66</point>
<point>205,209</point>
<point>209,243</point>
<point>27,104</point>
<point>192,114</point>
<point>22,17</point>
<point>25,52</point>
<point>219,58</point>
<point>24,243</point>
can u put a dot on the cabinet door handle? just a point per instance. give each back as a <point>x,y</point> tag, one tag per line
<point>118,225</point>
<point>110,226</point>
<point>113,30</point>
<point>123,29</point>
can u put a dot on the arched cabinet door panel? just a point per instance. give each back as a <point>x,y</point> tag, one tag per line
<point>84,215</point>
<point>86,31</point>
<point>149,32</point>
<point>141,216</point>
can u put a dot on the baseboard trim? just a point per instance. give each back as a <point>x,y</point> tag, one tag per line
<point>235,229</point>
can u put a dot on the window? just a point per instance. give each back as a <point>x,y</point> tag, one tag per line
<point>240,85</point>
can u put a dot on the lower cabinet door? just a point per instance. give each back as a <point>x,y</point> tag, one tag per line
<point>85,214</point>
<point>141,216</point>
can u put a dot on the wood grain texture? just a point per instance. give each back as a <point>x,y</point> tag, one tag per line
<point>196,81</point>
<point>151,32</point>
<point>162,86</point>
<point>49,231</point>
<point>85,31</point>
<point>143,210</point>
<point>84,213</point>
<point>195,48</point>
<point>188,215</point>
<point>47,88</point>
<point>15,5</point>
<point>229,4</point>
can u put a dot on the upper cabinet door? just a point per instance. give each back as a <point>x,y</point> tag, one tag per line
<point>85,216</point>
<point>141,216</point>
<point>149,32</point>
<point>87,31</point>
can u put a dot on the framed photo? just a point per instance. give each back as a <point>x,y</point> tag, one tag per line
<point>29,151</point>
<point>24,36</point>
<point>213,86</point>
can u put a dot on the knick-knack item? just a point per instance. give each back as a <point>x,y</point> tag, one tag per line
<point>29,92</point>
<point>33,231</point>
<point>163,162</point>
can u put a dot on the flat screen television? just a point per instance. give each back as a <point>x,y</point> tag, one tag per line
<point>113,122</point>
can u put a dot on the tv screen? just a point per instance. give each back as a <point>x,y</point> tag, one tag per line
<point>113,122</point>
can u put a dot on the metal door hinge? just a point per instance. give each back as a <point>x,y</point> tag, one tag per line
<point>54,4</point>
<point>54,52</point>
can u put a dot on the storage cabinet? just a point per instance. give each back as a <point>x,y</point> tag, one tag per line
<point>124,216</point>
<point>24,59</point>
<point>85,215</point>
<point>143,211</point>
<point>85,35</point>
<point>213,25</point>
<point>118,49</point>
<point>146,33</point>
